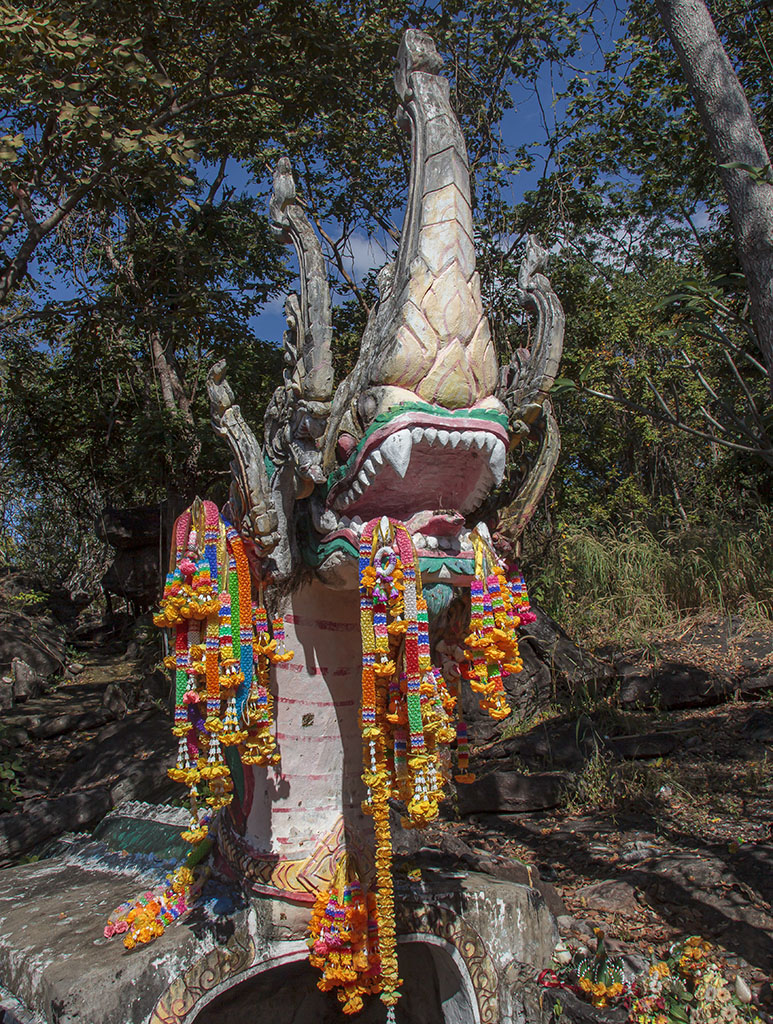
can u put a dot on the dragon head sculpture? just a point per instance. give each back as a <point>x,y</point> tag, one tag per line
<point>424,425</point>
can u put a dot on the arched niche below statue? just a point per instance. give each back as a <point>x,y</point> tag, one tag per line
<point>436,989</point>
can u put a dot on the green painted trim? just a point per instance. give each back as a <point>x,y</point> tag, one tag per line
<point>236,768</point>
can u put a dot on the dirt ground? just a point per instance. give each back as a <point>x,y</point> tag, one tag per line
<point>649,850</point>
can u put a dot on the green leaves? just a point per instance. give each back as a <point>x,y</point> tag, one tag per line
<point>9,147</point>
<point>562,385</point>
<point>9,782</point>
<point>763,175</point>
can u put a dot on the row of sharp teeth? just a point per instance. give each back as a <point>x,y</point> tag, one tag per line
<point>396,451</point>
<point>420,541</point>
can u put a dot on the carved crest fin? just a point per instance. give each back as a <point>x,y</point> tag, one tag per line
<point>251,498</point>
<point>309,319</point>
<point>525,382</point>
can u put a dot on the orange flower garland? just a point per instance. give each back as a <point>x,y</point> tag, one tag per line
<point>343,938</point>
<point>222,697</point>
<point>260,744</point>
<point>405,715</point>
<point>492,643</point>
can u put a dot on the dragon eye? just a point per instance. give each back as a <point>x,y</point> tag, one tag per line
<point>367,407</point>
<point>345,445</point>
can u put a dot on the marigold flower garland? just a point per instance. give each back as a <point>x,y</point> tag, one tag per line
<point>407,725</point>
<point>343,938</point>
<point>223,653</point>
<point>498,606</point>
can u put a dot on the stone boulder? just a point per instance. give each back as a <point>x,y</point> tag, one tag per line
<point>136,536</point>
<point>130,757</point>
<point>26,683</point>
<point>609,896</point>
<point>755,686</point>
<point>42,819</point>
<point>134,575</point>
<point>559,743</point>
<point>128,528</point>
<point>38,641</point>
<point>672,685</point>
<point>509,792</point>
<point>759,726</point>
<point>6,693</point>
<point>453,852</point>
<point>645,745</point>
<point>114,699</point>
<point>570,665</point>
<point>157,685</point>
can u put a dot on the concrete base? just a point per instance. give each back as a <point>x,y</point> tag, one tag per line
<point>468,945</point>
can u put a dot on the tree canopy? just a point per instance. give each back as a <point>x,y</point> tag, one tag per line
<point>135,157</point>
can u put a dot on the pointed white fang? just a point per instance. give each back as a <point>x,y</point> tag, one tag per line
<point>454,437</point>
<point>431,434</point>
<point>369,469</point>
<point>489,441</point>
<point>497,461</point>
<point>484,532</point>
<point>417,434</point>
<point>356,490</point>
<point>376,457</point>
<point>479,439</point>
<point>363,479</point>
<point>397,451</point>
<point>443,436</point>
<point>467,437</point>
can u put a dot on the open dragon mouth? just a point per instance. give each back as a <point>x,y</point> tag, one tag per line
<point>421,463</point>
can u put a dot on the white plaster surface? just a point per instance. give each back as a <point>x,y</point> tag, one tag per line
<point>317,699</point>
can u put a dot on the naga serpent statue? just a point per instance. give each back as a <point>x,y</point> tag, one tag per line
<point>364,522</point>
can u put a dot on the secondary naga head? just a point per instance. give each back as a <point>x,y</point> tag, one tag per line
<point>424,426</point>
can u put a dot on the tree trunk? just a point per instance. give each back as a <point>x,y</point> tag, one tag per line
<point>734,138</point>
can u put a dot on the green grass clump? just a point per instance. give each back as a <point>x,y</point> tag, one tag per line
<point>618,585</point>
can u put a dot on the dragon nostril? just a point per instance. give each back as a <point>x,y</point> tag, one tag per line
<point>345,445</point>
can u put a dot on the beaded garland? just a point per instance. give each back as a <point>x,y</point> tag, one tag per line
<point>491,646</point>
<point>224,648</point>
<point>259,743</point>
<point>223,652</point>
<point>407,724</point>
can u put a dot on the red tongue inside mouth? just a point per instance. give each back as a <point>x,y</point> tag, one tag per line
<point>436,524</point>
